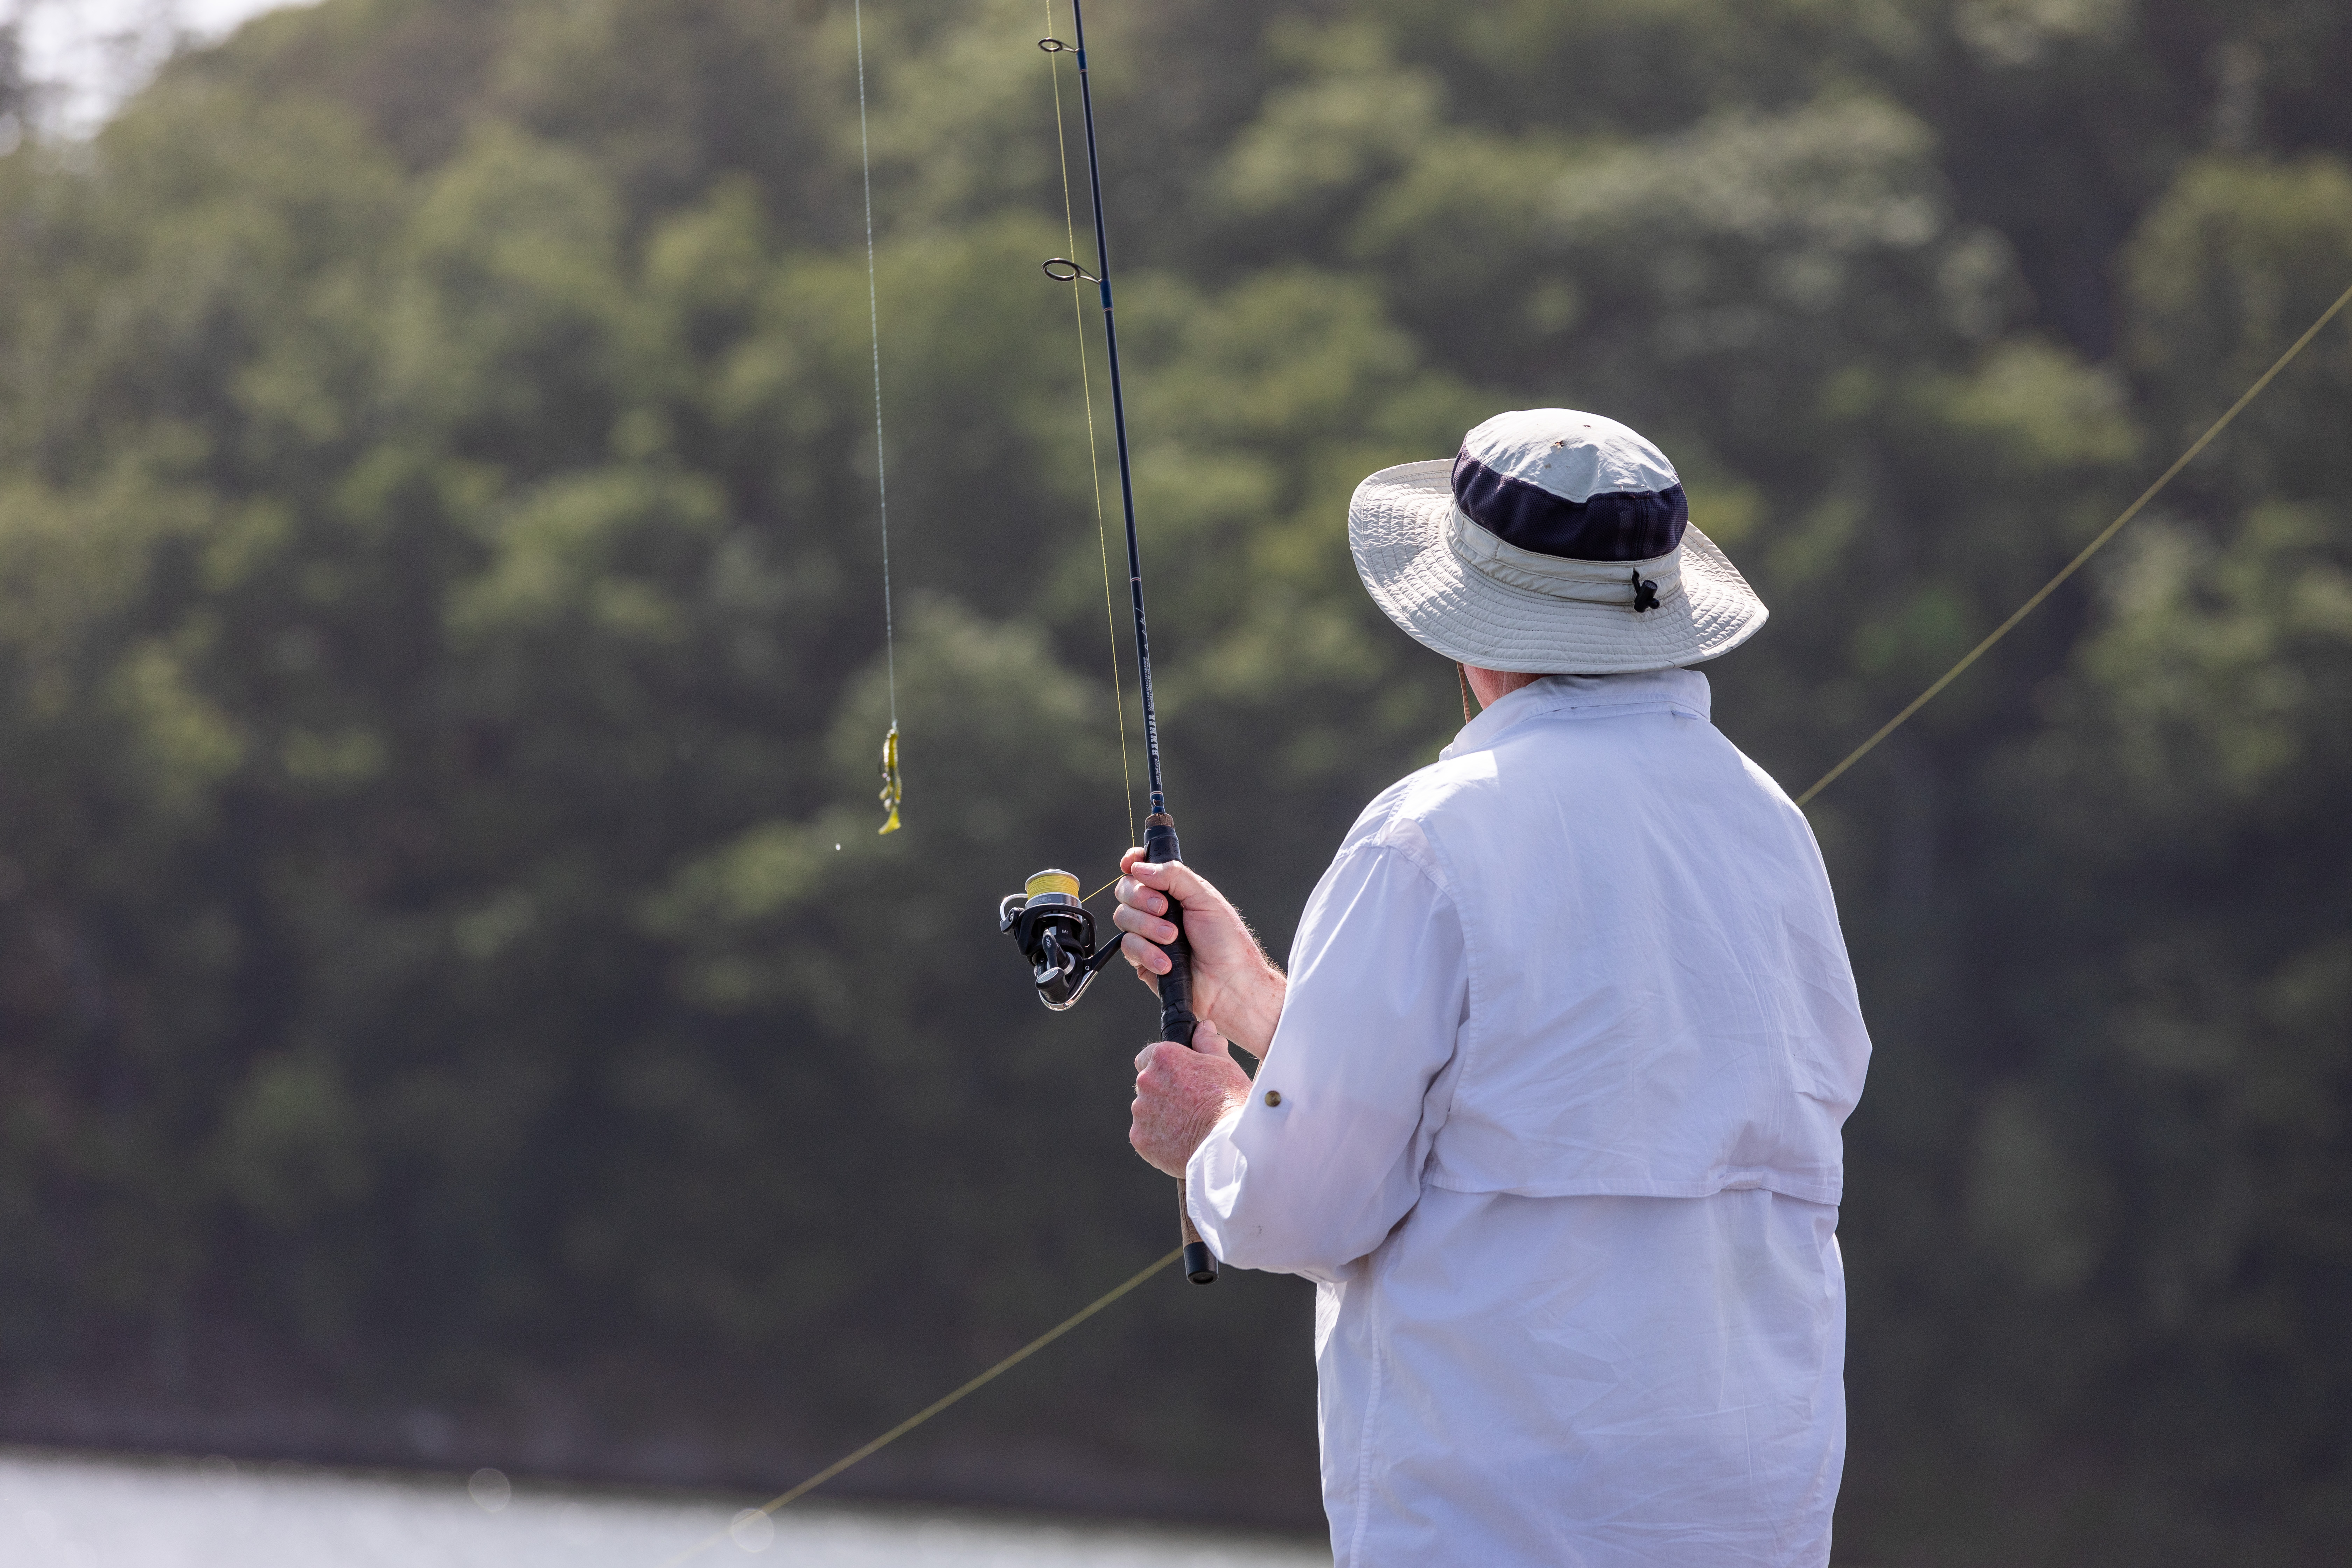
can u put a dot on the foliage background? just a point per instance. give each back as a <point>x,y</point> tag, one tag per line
<point>440,652</point>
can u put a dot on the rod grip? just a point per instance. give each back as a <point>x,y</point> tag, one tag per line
<point>1177,1022</point>
<point>1176,1019</point>
<point>1200,1263</point>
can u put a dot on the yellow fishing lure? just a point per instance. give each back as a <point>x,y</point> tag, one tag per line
<point>893,791</point>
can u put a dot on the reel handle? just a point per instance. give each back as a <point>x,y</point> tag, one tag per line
<point>1177,1023</point>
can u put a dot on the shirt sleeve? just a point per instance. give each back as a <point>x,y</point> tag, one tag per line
<point>1325,1158</point>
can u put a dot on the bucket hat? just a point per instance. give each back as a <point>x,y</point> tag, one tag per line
<point>1555,542</point>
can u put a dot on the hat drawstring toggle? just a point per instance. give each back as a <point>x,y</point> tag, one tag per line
<point>1645,593</point>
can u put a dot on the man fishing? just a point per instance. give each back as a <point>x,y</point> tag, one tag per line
<point>1551,1094</point>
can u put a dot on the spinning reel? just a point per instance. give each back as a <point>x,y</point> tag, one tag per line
<point>1055,933</point>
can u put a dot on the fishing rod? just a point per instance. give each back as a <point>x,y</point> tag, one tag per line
<point>1054,929</point>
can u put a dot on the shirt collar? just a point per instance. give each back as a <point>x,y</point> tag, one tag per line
<point>1683,691</point>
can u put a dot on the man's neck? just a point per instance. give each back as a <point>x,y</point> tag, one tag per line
<point>1491,686</point>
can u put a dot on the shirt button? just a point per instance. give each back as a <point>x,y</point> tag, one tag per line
<point>1273,1097</point>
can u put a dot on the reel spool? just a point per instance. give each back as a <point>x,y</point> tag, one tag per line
<point>1055,933</point>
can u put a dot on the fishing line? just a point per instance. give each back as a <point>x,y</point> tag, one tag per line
<point>2087,550</point>
<point>2070,569</point>
<point>784,1499</point>
<point>1094,451</point>
<point>893,791</point>
<point>1074,275</point>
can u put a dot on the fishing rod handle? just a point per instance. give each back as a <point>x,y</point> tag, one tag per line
<point>1176,1020</point>
<point>1177,1023</point>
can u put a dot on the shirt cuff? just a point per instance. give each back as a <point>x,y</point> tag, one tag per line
<point>1213,1183</point>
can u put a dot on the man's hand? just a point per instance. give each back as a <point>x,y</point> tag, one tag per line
<point>1181,1092</point>
<point>1231,977</point>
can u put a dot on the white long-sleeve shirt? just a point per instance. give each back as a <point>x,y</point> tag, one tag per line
<point>1552,1119</point>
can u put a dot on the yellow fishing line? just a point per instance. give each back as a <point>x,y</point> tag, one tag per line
<point>892,791</point>
<point>2087,550</point>
<point>1094,457</point>
<point>1099,1303</point>
<point>784,1500</point>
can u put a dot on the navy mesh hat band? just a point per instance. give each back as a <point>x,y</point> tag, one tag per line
<point>1613,525</point>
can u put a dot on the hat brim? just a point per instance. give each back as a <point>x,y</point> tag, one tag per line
<point>1397,529</point>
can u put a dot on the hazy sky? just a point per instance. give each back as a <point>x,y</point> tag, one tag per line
<point>98,50</point>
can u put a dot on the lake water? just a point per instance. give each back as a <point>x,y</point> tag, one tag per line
<point>76,1511</point>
